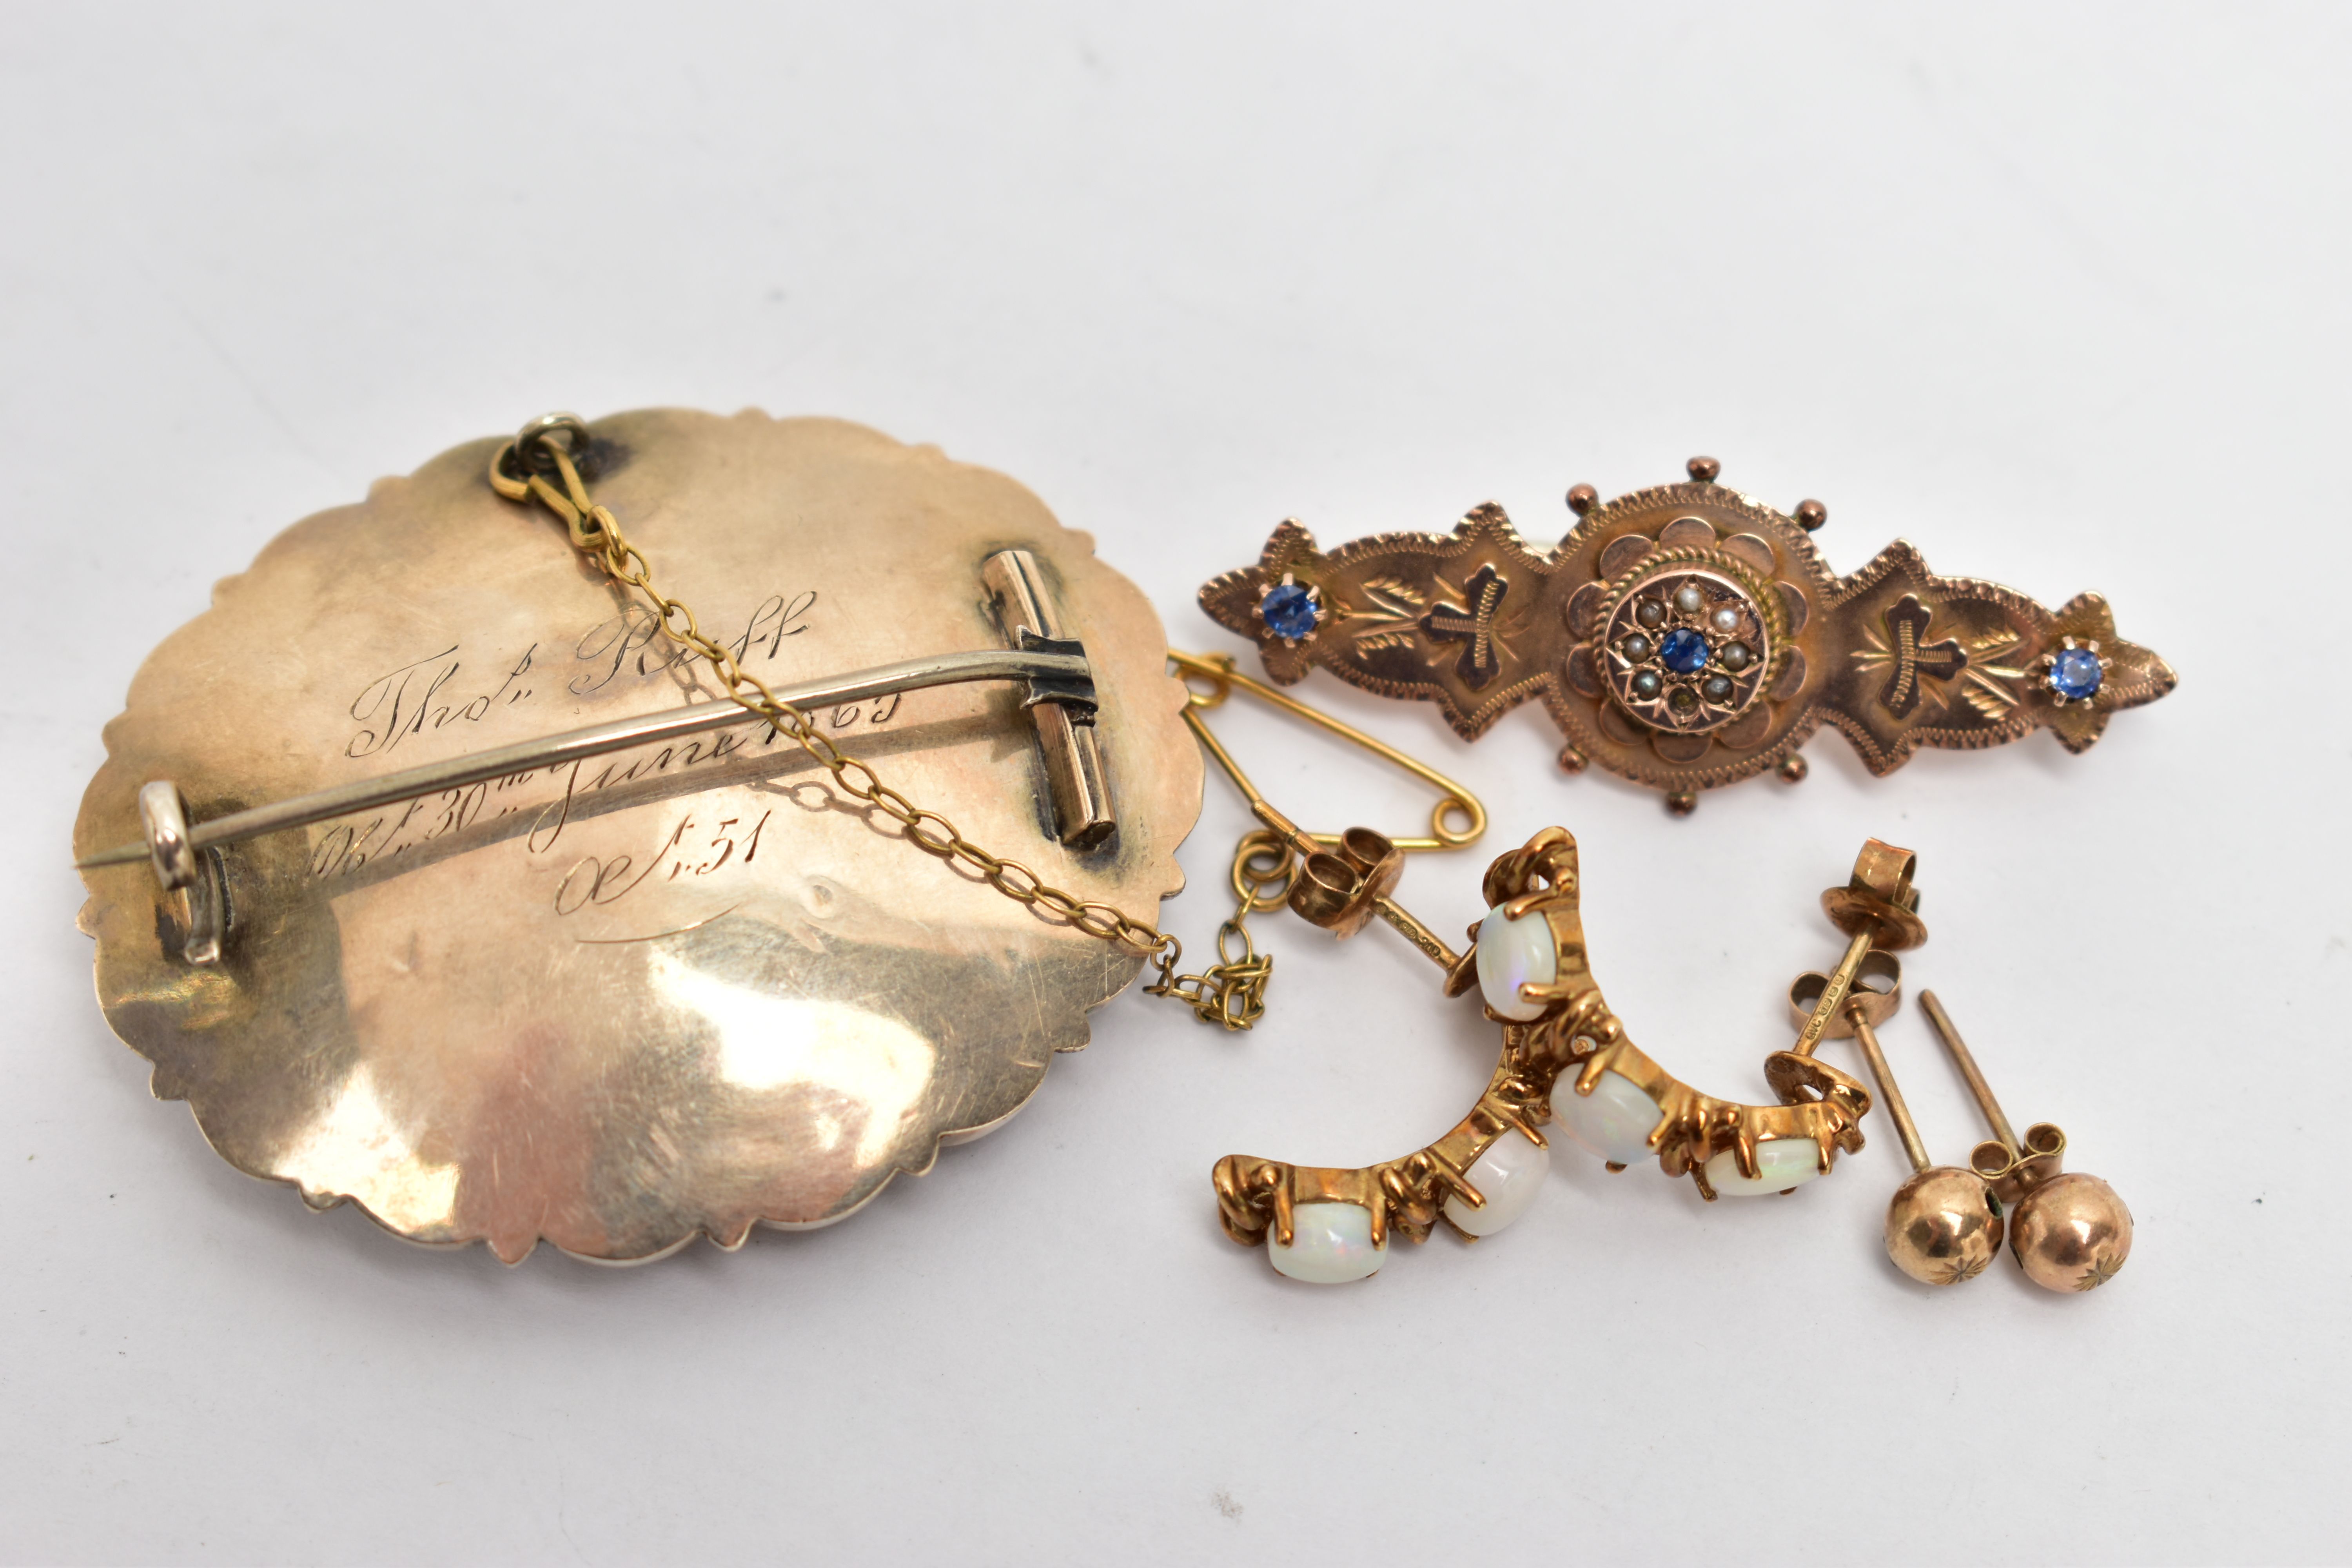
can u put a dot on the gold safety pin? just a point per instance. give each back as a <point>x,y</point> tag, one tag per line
<point>1219,672</point>
<point>1336,880</point>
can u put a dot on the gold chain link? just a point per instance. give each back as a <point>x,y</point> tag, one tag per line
<point>1231,993</point>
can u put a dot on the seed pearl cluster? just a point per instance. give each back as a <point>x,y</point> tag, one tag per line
<point>1686,652</point>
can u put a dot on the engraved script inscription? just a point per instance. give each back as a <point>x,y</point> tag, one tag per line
<point>690,850</point>
<point>349,846</point>
<point>400,702</point>
<point>426,693</point>
<point>433,692</point>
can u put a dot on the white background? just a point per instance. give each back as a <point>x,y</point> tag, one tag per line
<point>2060,296</point>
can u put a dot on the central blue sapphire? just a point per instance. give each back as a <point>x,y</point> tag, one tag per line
<point>1289,611</point>
<point>1683,651</point>
<point>2075,674</point>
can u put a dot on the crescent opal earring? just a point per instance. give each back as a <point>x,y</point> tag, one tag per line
<point>1564,1055</point>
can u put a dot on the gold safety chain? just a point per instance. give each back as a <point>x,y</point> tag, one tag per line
<point>1231,993</point>
<point>1266,862</point>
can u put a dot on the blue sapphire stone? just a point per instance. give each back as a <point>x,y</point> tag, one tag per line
<point>2075,674</point>
<point>1289,611</point>
<point>1683,651</point>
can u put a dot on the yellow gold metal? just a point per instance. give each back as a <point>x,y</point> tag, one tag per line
<point>672,990</point>
<point>2069,1231</point>
<point>1222,678</point>
<point>1231,993</point>
<point>1258,1196</point>
<point>1338,881</point>
<point>1878,908</point>
<point>1406,1194</point>
<point>1819,1103</point>
<point>1833,996</point>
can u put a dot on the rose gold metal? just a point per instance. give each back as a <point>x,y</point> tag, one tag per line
<point>1981,1091</point>
<point>2072,1233</point>
<point>1893,656</point>
<point>673,991</point>
<point>1582,499</point>
<point>1943,1225</point>
<point>1646,609</point>
<point>2069,1231</point>
<point>1340,882</point>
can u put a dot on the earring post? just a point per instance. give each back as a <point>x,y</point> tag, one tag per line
<point>1878,906</point>
<point>1968,1070</point>
<point>1833,997</point>
<point>1867,1037</point>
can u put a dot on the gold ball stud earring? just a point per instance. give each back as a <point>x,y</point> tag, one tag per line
<point>1943,1225</point>
<point>2068,1231</point>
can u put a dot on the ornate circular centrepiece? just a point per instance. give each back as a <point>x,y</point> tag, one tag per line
<point>1685,648</point>
<point>1894,657</point>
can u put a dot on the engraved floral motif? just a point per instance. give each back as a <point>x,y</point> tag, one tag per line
<point>1961,1269</point>
<point>2103,1268</point>
<point>1893,656</point>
